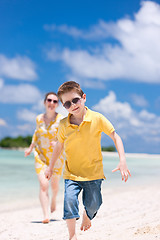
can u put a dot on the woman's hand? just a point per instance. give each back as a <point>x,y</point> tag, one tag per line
<point>27,152</point>
<point>53,143</point>
<point>48,173</point>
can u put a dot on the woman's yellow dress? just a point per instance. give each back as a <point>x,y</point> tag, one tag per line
<point>42,138</point>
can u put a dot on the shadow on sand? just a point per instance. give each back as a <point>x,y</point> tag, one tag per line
<point>51,220</point>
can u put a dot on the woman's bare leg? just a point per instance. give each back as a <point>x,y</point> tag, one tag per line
<point>55,187</point>
<point>43,195</point>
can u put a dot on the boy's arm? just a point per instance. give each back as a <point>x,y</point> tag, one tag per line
<point>56,152</point>
<point>122,166</point>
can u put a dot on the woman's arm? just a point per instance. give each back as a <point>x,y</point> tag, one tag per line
<point>28,151</point>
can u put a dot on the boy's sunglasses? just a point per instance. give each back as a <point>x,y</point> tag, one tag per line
<point>68,104</point>
<point>51,100</point>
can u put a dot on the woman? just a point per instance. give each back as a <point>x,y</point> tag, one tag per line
<point>44,140</point>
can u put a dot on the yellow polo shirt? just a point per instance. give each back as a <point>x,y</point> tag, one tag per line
<point>82,145</point>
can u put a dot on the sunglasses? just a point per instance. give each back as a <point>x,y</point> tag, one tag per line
<point>51,100</point>
<point>68,104</point>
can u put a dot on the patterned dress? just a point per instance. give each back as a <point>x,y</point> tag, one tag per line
<point>42,138</point>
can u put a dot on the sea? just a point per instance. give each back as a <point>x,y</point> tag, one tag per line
<point>18,179</point>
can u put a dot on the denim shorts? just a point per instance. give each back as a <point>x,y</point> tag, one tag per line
<point>91,196</point>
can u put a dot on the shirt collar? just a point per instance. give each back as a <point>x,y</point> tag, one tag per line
<point>87,117</point>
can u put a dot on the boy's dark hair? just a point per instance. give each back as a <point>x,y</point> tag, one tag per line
<point>52,93</point>
<point>68,87</point>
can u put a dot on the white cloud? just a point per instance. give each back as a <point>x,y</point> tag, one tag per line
<point>146,116</point>
<point>1,83</point>
<point>149,8</point>
<point>157,103</point>
<point>54,54</point>
<point>26,115</point>
<point>72,31</point>
<point>2,122</point>
<point>127,121</point>
<point>60,109</point>
<point>21,68</point>
<point>22,93</point>
<point>29,115</point>
<point>136,57</point>
<point>87,83</point>
<point>116,110</point>
<point>39,106</point>
<point>24,129</point>
<point>139,100</point>
<point>96,32</point>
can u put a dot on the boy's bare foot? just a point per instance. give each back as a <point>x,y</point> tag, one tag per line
<point>86,222</point>
<point>53,205</point>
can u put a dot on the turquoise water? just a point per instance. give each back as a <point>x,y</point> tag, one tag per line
<point>18,177</point>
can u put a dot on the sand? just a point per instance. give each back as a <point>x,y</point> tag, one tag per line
<point>128,212</point>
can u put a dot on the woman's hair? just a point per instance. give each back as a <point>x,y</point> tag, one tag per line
<point>49,93</point>
<point>68,87</point>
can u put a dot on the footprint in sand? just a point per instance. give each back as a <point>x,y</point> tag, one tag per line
<point>148,230</point>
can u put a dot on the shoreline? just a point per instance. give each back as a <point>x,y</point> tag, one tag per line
<point>104,153</point>
<point>134,155</point>
<point>14,148</point>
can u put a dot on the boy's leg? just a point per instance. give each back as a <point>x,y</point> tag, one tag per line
<point>92,200</point>
<point>86,222</point>
<point>71,206</point>
<point>71,224</point>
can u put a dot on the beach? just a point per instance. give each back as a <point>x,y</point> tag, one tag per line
<point>125,214</point>
<point>129,211</point>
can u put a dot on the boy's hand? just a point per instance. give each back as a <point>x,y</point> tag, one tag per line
<point>122,167</point>
<point>48,173</point>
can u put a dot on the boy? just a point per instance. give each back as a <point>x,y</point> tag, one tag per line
<point>80,135</point>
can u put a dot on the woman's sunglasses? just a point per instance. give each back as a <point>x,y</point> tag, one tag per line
<point>68,104</point>
<point>51,100</point>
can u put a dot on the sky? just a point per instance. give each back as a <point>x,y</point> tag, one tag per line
<point>110,47</point>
